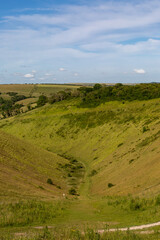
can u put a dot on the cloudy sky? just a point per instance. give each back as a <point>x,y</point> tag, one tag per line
<point>58,41</point>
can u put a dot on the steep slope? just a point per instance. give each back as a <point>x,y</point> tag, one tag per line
<point>25,168</point>
<point>118,142</point>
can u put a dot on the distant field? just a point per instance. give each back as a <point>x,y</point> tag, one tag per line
<point>49,89</point>
<point>27,101</point>
<point>35,89</point>
<point>24,89</point>
<point>58,86</point>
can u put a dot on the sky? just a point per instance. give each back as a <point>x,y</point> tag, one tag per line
<point>70,41</point>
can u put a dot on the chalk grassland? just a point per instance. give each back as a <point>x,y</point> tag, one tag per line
<point>25,168</point>
<point>118,143</point>
<point>118,146</point>
<point>34,90</point>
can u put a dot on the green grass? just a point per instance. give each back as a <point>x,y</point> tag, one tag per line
<point>95,136</point>
<point>31,212</point>
<point>25,169</point>
<point>108,140</point>
<point>75,234</point>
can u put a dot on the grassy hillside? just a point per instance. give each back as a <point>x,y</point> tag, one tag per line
<point>25,168</point>
<point>117,142</point>
<point>114,148</point>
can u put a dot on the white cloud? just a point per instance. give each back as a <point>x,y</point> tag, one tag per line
<point>139,71</point>
<point>76,74</point>
<point>34,71</point>
<point>28,75</point>
<point>62,69</point>
<point>48,74</point>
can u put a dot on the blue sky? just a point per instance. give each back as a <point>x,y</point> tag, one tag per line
<point>79,41</point>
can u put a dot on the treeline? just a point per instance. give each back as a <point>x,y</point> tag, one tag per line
<point>119,92</point>
<point>93,96</point>
<point>9,107</point>
<point>58,97</point>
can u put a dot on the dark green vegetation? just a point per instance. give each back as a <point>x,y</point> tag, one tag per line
<point>94,96</point>
<point>100,94</point>
<point>68,166</point>
<point>10,107</point>
<point>41,101</point>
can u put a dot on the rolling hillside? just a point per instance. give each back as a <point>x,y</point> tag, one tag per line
<point>25,168</point>
<point>117,142</point>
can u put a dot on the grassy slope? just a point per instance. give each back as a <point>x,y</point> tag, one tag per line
<point>24,170</point>
<point>109,139</point>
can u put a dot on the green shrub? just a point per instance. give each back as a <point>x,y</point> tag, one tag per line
<point>110,185</point>
<point>120,144</point>
<point>130,161</point>
<point>93,172</point>
<point>72,191</point>
<point>145,129</point>
<point>42,101</point>
<point>49,181</point>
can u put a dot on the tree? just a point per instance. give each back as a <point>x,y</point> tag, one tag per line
<point>97,86</point>
<point>72,191</point>
<point>42,101</point>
